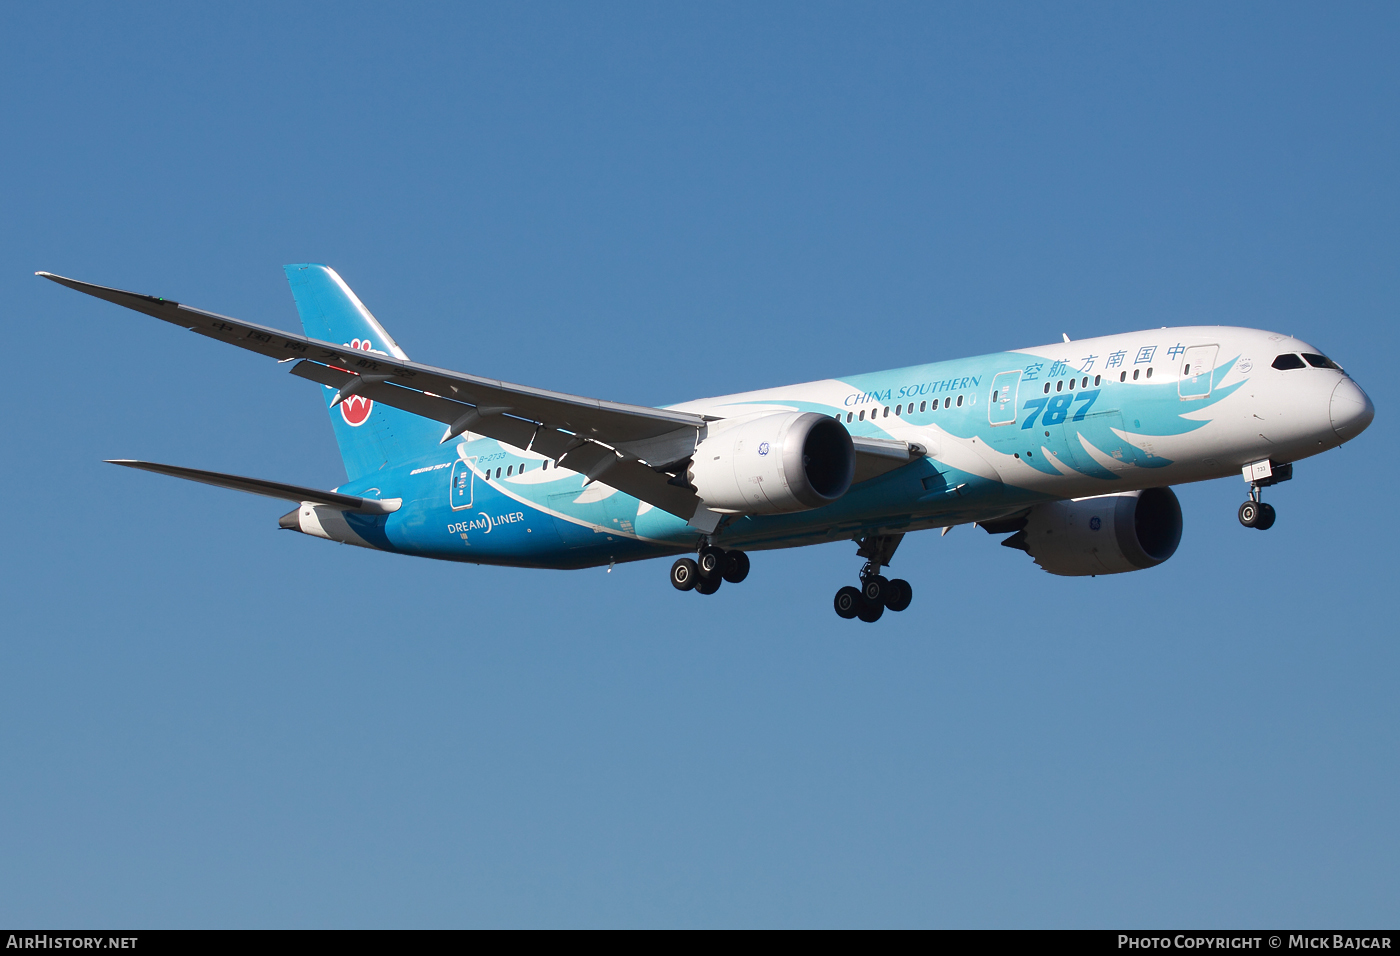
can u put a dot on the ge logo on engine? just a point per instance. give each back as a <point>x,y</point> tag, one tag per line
<point>763,448</point>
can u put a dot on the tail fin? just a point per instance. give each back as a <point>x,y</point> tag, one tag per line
<point>371,435</point>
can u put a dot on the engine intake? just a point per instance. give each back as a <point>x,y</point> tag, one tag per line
<point>1107,534</point>
<point>773,464</point>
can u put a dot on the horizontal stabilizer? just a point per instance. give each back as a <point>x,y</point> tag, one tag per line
<point>272,489</point>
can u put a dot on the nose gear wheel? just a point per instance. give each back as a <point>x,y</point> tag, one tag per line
<point>1255,513</point>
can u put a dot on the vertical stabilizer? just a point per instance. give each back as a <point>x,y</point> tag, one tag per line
<point>370,434</point>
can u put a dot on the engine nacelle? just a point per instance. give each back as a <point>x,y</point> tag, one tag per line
<point>773,464</point>
<point>1107,534</point>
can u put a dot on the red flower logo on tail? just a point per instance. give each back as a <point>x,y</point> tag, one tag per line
<point>355,409</point>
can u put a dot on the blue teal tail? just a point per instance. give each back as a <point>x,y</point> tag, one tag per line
<point>371,435</point>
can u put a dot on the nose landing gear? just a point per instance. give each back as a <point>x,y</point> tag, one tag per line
<point>876,592</point>
<point>1254,513</point>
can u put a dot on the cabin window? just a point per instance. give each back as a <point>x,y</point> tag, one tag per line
<point>1288,361</point>
<point>1097,379</point>
<point>994,396</point>
<point>1321,361</point>
<point>923,406</point>
<point>862,414</point>
<point>1060,386</point>
<point>1047,388</point>
<point>947,402</point>
<point>1149,371</point>
<point>1122,376</point>
<point>1136,373</point>
<point>959,401</point>
<point>897,410</point>
<point>849,417</point>
<point>498,472</point>
<point>887,411</point>
<point>544,465</point>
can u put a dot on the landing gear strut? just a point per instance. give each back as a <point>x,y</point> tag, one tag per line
<point>1254,513</point>
<point>876,592</point>
<point>710,568</point>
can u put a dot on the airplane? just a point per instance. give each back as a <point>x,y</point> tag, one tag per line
<point>1069,450</point>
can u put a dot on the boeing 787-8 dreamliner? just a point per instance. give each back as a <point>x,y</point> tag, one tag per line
<point>1068,449</point>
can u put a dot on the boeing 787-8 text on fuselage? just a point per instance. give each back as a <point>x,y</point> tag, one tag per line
<point>1068,449</point>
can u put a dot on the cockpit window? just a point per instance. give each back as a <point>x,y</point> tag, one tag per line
<point>1288,360</point>
<point>1320,361</point>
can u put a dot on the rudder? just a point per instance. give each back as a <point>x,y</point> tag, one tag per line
<point>370,434</point>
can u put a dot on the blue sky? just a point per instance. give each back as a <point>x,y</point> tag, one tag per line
<point>209,722</point>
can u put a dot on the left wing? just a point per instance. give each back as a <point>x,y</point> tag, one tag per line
<point>638,450</point>
<point>626,446</point>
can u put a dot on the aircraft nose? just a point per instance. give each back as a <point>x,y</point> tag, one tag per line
<point>1352,410</point>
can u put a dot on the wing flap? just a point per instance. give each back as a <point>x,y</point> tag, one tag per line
<point>571,451</point>
<point>512,431</point>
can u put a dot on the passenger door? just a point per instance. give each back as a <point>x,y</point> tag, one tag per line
<point>1002,408</point>
<point>1197,370</point>
<point>462,485</point>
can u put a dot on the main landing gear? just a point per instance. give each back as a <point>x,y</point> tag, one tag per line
<point>710,568</point>
<point>876,592</point>
<point>1254,513</point>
